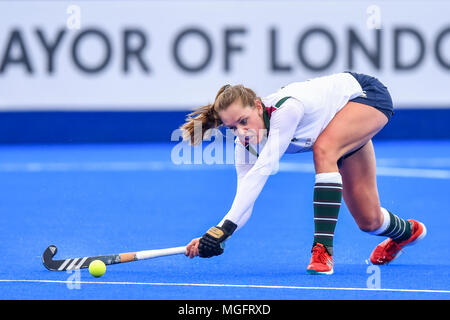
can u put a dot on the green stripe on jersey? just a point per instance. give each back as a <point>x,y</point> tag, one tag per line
<point>251,150</point>
<point>266,116</point>
<point>280,102</point>
<point>266,119</point>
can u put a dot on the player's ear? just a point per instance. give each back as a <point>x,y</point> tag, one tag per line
<point>259,106</point>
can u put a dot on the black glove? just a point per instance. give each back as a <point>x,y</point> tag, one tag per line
<point>212,242</point>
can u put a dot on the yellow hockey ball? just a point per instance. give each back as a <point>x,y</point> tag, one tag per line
<point>97,268</point>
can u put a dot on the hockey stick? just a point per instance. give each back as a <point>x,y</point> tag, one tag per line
<point>80,263</point>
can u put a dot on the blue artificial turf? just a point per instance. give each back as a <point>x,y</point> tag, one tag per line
<point>100,199</point>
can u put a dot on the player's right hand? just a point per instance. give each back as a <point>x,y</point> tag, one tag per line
<point>212,242</point>
<point>192,248</point>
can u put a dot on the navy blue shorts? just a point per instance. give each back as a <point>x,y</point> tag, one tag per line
<point>376,94</point>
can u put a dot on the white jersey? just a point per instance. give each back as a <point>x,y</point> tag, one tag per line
<point>321,98</point>
<point>298,113</point>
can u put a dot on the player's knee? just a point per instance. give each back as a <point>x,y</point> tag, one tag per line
<point>324,152</point>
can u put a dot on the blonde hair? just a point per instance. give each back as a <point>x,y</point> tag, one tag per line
<point>208,116</point>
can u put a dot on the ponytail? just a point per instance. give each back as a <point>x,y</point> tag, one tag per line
<point>207,117</point>
<point>204,118</point>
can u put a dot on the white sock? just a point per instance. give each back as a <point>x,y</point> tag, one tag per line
<point>384,225</point>
<point>329,177</point>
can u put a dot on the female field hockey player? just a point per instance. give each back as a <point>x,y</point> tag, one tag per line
<point>336,117</point>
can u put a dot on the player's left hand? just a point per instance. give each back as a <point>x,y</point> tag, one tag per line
<point>212,242</point>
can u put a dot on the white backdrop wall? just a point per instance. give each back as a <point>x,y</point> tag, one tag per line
<point>174,55</point>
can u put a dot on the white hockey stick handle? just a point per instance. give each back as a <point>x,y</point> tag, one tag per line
<point>149,254</point>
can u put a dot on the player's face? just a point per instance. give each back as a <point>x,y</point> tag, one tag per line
<point>246,122</point>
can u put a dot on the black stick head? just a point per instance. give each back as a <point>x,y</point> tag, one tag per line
<point>47,257</point>
<point>74,263</point>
